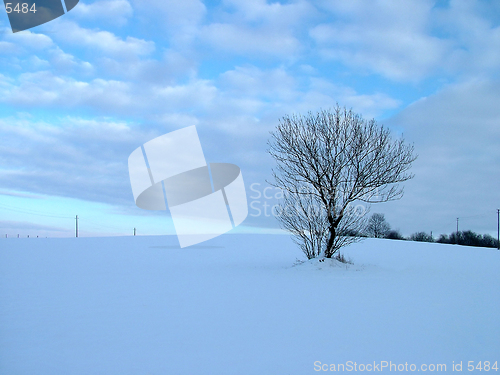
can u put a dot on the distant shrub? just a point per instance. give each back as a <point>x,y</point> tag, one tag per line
<point>421,237</point>
<point>394,235</point>
<point>443,238</point>
<point>354,233</point>
<point>468,238</point>
<point>489,241</point>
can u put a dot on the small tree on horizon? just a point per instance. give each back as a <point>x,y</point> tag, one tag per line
<point>327,162</point>
<point>377,226</point>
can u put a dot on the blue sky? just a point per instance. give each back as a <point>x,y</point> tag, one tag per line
<point>80,93</point>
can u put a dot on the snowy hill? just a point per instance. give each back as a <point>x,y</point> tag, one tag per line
<point>241,304</point>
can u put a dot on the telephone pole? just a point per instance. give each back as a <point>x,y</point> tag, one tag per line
<point>76,225</point>
<point>134,231</point>
<point>498,228</point>
<point>457,226</point>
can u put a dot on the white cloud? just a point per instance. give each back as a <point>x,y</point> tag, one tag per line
<point>325,94</point>
<point>171,68</point>
<point>198,94</point>
<point>113,11</point>
<point>30,51</point>
<point>389,38</point>
<point>397,55</point>
<point>179,18</point>
<point>6,83</point>
<point>8,48</point>
<point>247,41</point>
<point>112,97</point>
<point>411,40</point>
<point>29,40</point>
<point>180,64</point>
<point>77,157</point>
<point>249,94</point>
<point>274,14</point>
<point>37,63</point>
<point>476,38</point>
<point>176,12</point>
<point>46,89</point>
<point>65,63</point>
<point>106,42</point>
<point>172,121</point>
<point>258,29</point>
<point>250,81</point>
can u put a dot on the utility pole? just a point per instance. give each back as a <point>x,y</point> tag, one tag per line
<point>77,225</point>
<point>134,231</point>
<point>457,226</point>
<point>498,228</point>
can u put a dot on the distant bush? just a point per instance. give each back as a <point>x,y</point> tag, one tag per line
<point>354,233</point>
<point>468,238</point>
<point>421,237</point>
<point>394,235</point>
<point>489,241</point>
<point>443,238</point>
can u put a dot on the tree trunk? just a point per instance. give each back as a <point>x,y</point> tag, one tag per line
<point>333,233</point>
<point>329,244</point>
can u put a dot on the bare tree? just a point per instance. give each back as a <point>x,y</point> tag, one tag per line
<point>326,163</point>
<point>377,227</point>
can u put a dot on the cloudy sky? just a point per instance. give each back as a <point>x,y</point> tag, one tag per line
<point>80,93</point>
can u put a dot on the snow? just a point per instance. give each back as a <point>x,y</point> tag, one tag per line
<point>241,304</point>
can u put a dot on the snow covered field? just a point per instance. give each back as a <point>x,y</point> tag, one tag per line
<point>237,305</point>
